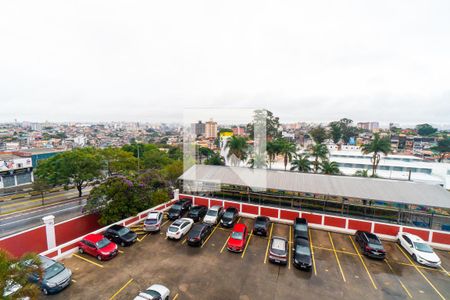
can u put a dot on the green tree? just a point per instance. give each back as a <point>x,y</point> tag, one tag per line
<point>76,167</point>
<point>42,187</point>
<point>330,167</point>
<point>159,196</point>
<point>286,149</point>
<point>301,163</point>
<point>348,130</point>
<point>362,173</point>
<point>320,153</point>
<point>273,148</point>
<point>216,160</point>
<point>237,149</point>
<point>17,271</point>
<point>265,118</point>
<point>118,161</point>
<point>318,134</point>
<point>376,146</point>
<point>258,161</point>
<point>203,152</point>
<point>442,148</point>
<point>425,129</point>
<point>335,131</point>
<point>172,171</point>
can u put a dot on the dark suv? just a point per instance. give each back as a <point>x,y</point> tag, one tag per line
<point>198,234</point>
<point>370,244</point>
<point>261,226</point>
<point>196,213</point>
<point>179,208</point>
<point>301,228</point>
<point>120,235</point>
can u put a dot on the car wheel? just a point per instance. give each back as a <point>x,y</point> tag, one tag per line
<point>81,250</point>
<point>45,291</point>
<point>99,257</point>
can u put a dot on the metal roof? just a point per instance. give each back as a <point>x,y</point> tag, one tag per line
<point>405,192</point>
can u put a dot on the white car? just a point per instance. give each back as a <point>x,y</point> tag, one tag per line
<point>179,228</point>
<point>419,249</point>
<point>155,292</point>
<point>213,215</point>
<point>153,221</point>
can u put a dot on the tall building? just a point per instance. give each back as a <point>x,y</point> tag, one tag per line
<point>371,126</point>
<point>210,129</point>
<point>198,128</point>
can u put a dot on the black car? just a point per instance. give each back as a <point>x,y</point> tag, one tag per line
<point>370,244</point>
<point>261,226</point>
<point>177,210</point>
<point>198,234</point>
<point>229,217</point>
<point>301,228</point>
<point>302,254</point>
<point>120,235</point>
<point>197,212</point>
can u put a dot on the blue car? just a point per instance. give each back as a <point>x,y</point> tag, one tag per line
<point>55,276</point>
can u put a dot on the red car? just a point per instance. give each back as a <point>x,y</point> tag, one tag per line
<point>97,245</point>
<point>238,238</point>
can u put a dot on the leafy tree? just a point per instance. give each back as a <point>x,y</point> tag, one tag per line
<point>76,167</point>
<point>362,173</point>
<point>376,146</point>
<point>318,134</point>
<point>118,161</point>
<point>301,163</point>
<point>335,131</point>
<point>265,117</point>
<point>159,196</point>
<point>425,129</point>
<point>216,160</point>
<point>320,153</point>
<point>237,149</point>
<point>155,159</point>
<point>17,271</point>
<point>348,130</point>
<point>286,149</point>
<point>175,153</point>
<point>442,148</point>
<point>203,152</point>
<point>273,148</point>
<point>42,186</point>
<point>330,167</point>
<point>172,171</point>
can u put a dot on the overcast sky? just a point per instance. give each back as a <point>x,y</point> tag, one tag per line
<point>148,60</point>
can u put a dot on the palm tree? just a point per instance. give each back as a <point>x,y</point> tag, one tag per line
<point>237,149</point>
<point>362,173</point>
<point>376,146</point>
<point>258,161</point>
<point>215,159</point>
<point>286,149</point>
<point>272,151</point>
<point>320,153</point>
<point>330,167</point>
<point>301,163</point>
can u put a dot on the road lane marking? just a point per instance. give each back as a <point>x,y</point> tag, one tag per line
<point>420,267</point>
<point>364,264</point>
<point>175,297</point>
<point>268,244</point>
<point>184,241</point>
<point>399,280</point>
<point>210,235</point>
<point>312,252</point>
<point>337,258</point>
<point>420,272</point>
<point>121,289</point>
<point>88,260</point>
<point>246,245</point>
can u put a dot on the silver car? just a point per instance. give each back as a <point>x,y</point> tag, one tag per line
<point>213,215</point>
<point>153,221</point>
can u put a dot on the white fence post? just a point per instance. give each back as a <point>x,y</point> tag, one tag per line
<point>49,222</point>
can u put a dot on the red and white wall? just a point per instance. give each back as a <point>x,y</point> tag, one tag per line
<point>387,231</point>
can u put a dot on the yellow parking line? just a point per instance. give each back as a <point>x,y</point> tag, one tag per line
<point>120,251</point>
<point>337,258</point>
<point>175,297</point>
<point>364,264</point>
<point>184,241</point>
<point>121,289</point>
<point>164,223</point>
<point>225,244</point>
<point>445,271</point>
<point>73,280</point>
<point>141,239</point>
<point>401,283</point>
<point>312,252</point>
<point>338,251</point>
<point>290,247</point>
<point>88,260</point>
<point>420,267</point>
<point>268,243</point>
<point>210,235</point>
<point>246,245</point>
<point>420,272</point>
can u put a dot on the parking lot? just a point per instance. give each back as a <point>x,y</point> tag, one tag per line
<point>212,272</point>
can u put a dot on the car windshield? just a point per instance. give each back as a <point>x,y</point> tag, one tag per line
<point>211,213</point>
<point>123,231</point>
<point>302,250</point>
<point>422,247</point>
<point>173,229</point>
<point>176,207</point>
<point>301,227</point>
<point>228,215</point>
<point>151,221</point>
<point>237,235</point>
<point>153,294</point>
<point>375,246</point>
<point>53,270</point>
<point>260,221</point>
<point>102,243</point>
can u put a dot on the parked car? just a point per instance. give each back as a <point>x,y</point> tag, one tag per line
<point>155,292</point>
<point>55,276</point>
<point>261,225</point>
<point>420,251</point>
<point>229,217</point>
<point>278,250</point>
<point>198,234</point>
<point>179,228</point>
<point>302,257</point>
<point>238,238</point>
<point>153,221</point>
<point>98,246</point>
<point>178,209</point>
<point>196,213</point>
<point>301,228</point>
<point>370,244</point>
<point>121,235</point>
<point>213,215</point>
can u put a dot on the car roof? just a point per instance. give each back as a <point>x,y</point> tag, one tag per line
<point>278,243</point>
<point>45,261</point>
<point>94,237</point>
<point>215,207</point>
<point>301,221</point>
<point>231,208</point>
<point>301,241</point>
<point>116,227</point>
<point>413,237</point>
<point>197,207</point>
<point>239,227</point>
<point>153,213</point>
<point>262,218</point>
